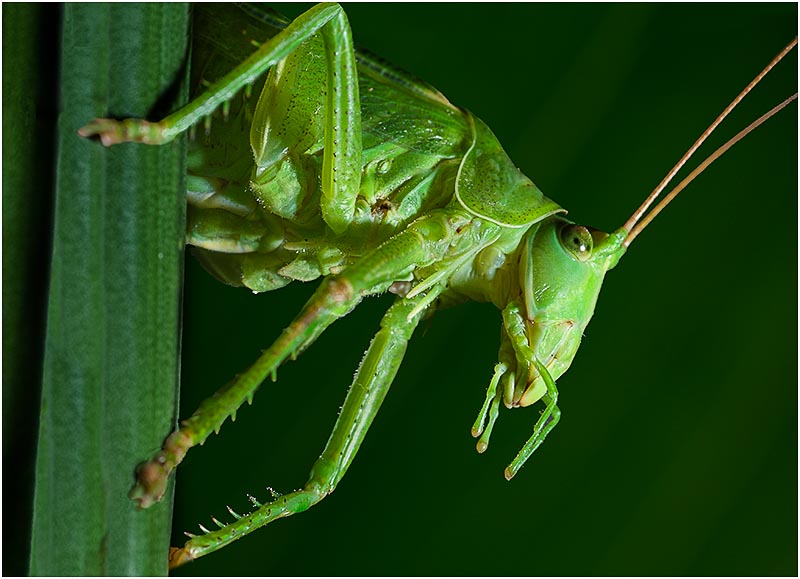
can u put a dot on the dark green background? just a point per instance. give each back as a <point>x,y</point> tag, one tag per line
<point>677,450</point>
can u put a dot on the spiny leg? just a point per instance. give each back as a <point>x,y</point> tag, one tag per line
<point>341,164</point>
<point>268,54</point>
<point>311,99</point>
<point>370,385</point>
<point>341,169</point>
<point>422,242</point>
<point>332,300</point>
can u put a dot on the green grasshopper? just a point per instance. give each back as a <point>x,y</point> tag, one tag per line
<point>374,200</point>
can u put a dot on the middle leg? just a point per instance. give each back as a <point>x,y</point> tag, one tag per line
<point>423,242</point>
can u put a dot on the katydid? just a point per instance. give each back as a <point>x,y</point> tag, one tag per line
<point>320,177</point>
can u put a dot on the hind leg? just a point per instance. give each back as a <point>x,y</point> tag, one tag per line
<point>370,385</point>
<point>340,121</point>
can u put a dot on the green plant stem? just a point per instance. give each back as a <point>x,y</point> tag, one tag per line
<point>111,352</point>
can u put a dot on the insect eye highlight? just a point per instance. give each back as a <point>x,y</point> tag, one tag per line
<point>577,240</point>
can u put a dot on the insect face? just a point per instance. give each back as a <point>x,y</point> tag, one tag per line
<point>559,306</point>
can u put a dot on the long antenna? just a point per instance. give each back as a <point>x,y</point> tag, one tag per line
<point>630,225</point>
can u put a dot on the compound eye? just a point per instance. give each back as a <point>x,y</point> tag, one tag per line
<point>577,240</point>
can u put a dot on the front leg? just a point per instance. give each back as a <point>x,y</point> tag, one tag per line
<point>518,372</point>
<point>515,326</point>
<point>370,385</point>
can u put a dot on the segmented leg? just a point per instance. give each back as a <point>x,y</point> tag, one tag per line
<point>342,139</point>
<point>501,389</point>
<point>491,405</point>
<point>423,242</point>
<point>515,326</point>
<point>370,385</point>
<point>516,352</point>
<point>547,422</point>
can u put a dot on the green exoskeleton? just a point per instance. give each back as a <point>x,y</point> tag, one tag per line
<point>348,169</point>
